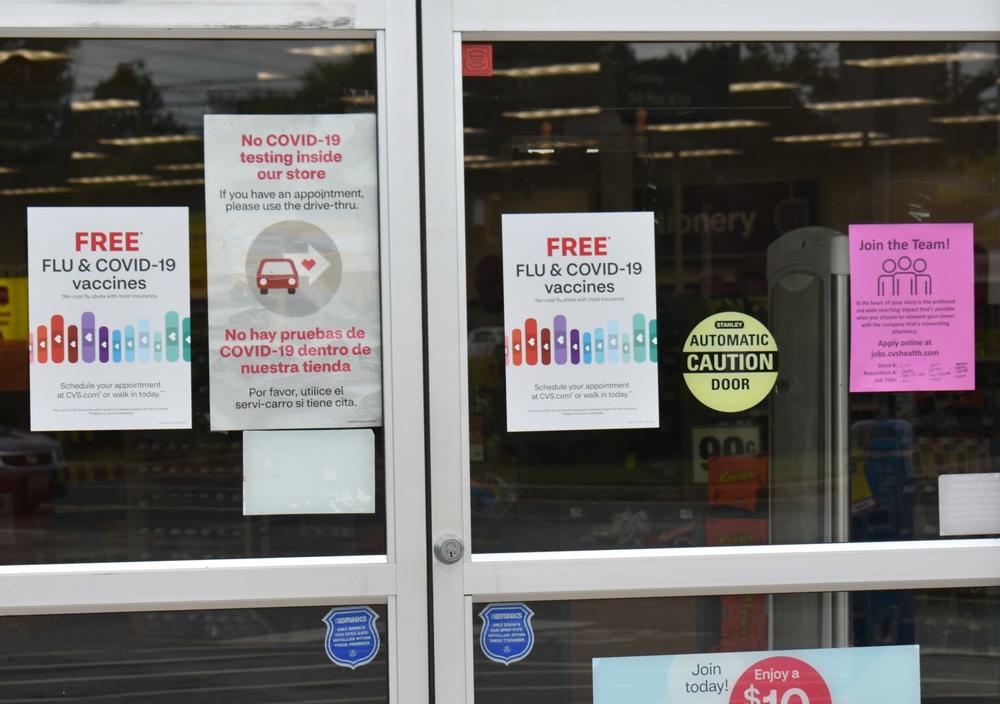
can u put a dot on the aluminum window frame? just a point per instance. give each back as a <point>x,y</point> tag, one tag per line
<point>397,578</point>
<point>642,572</point>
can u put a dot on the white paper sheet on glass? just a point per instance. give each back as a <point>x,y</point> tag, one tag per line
<point>969,504</point>
<point>308,471</point>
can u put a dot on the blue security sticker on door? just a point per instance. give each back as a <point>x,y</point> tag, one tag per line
<point>507,634</point>
<point>351,638</point>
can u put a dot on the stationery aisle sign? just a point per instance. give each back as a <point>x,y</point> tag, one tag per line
<point>912,307</point>
<point>291,206</point>
<point>580,337</point>
<point>821,676</point>
<point>109,318</point>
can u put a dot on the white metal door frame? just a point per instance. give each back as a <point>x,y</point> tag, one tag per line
<point>628,573</point>
<point>398,578</point>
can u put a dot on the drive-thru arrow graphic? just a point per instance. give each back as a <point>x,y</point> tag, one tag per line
<point>311,266</point>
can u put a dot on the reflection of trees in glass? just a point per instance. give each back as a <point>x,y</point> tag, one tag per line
<point>131,81</point>
<point>339,86</point>
<point>34,98</point>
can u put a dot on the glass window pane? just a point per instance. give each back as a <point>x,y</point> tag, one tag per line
<point>957,631</point>
<point>146,495</point>
<point>238,655</point>
<point>730,146</point>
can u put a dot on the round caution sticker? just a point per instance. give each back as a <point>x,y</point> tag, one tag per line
<point>730,362</point>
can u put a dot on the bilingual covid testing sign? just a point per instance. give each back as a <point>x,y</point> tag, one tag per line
<point>821,676</point>
<point>580,337</point>
<point>109,318</point>
<point>291,206</point>
<point>912,307</point>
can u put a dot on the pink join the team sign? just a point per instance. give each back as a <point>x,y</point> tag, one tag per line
<point>912,317</point>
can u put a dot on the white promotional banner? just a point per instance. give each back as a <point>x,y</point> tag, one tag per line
<point>580,333</point>
<point>873,675</point>
<point>291,205</point>
<point>110,322</point>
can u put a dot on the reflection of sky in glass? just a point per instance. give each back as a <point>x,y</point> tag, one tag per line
<point>828,55</point>
<point>184,77</point>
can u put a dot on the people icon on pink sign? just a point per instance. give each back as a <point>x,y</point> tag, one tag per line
<point>905,277</point>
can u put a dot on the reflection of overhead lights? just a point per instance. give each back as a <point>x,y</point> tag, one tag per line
<point>754,86</point>
<point>81,156</point>
<point>827,137</point>
<point>892,142</point>
<point>116,178</point>
<point>173,183</point>
<point>38,191</point>
<point>152,139</point>
<point>470,158</point>
<point>109,104</point>
<point>695,153</point>
<point>541,151</point>
<point>474,130</point>
<point>359,99</point>
<point>690,153</point>
<point>550,113</point>
<point>33,55</point>
<point>965,119</point>
<point>180,167</point>
<point>550,70</point>
<point>875,103</point>
<point>528,143</point>
<point>7,170</point>
<point>514,164</point>
<point>702,126</point>
<point>593,150</point>
<point>271,76</point>
<point>921,59</point>
<point>338,49</point>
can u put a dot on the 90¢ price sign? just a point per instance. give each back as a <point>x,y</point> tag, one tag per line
<point>780,680</point>
<point>709,442</point>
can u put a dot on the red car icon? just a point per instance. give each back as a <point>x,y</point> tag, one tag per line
<point>277,273</point>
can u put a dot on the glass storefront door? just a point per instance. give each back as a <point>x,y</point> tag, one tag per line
<point>624,493</point>
<point>187,564</point>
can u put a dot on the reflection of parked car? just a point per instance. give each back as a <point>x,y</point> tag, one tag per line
<point>277,273</point>
<point>484,341</point>
<point>29,463</point>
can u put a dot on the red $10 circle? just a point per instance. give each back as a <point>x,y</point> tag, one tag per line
<point>780,680</point>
